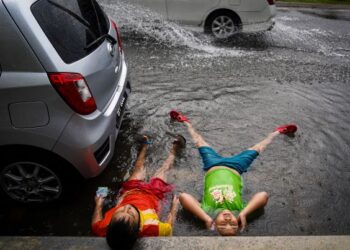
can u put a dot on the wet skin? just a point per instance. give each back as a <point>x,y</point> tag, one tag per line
<point>226,223</point>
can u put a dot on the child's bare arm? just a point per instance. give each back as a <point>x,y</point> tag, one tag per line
<point>173,211</point>
<point>259,200</point>
<point>97,216</point>
<point>192,205</point>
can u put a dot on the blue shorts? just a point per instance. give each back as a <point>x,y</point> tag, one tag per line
<point>239,162</point>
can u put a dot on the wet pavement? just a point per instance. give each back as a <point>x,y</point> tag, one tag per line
<point>234,92</point>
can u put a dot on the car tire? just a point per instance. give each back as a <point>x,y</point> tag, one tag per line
<point>222,24</point>
<point>34,177</point>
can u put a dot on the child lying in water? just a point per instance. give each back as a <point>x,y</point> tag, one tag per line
<point>136,213</point>
<point>222,207</point>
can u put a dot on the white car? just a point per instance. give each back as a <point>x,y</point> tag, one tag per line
<point>222,18</point>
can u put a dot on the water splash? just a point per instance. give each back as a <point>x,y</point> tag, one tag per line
<point>289,33</point>
<point>140,23</point>
<point>152,26</point>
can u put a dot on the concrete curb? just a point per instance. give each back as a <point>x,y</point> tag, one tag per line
<point>166,243</point>
<point>313,5</point>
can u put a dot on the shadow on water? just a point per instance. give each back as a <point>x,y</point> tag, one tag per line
<point>256,41</point>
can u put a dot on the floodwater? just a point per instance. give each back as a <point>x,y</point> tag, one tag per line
<point>234,92</point>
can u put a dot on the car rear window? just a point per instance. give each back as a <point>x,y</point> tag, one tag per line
<point>71,25</point>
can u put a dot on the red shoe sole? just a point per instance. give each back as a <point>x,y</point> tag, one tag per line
<point>175,115</point>
<point>287,129</point>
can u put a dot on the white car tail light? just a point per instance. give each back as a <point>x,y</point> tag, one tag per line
<point>74,90</point>
<point>271,2</point>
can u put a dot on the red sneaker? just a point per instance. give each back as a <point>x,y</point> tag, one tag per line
<point>287,129</point>
<point>175,115</point>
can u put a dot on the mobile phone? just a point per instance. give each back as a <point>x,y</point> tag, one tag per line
<point>102,191</point>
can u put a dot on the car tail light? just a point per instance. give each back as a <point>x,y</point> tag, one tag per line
<point>271,2</point>
<point>74,90</point>
<point>118,36</point>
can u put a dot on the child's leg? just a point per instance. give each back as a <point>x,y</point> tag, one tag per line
<point>163,171</point>
<point>261,146</point>
<point>209,156</point>
<point>197,138</point>
<point>242,161</point>
<point>139,172</point>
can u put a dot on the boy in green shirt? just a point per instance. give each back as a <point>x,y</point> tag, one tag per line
<point>222,198</point>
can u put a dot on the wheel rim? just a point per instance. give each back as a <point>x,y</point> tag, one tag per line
<point>30,182</point>
<point>223,27</point>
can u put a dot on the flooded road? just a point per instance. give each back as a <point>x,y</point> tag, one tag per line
<point>234,92</point>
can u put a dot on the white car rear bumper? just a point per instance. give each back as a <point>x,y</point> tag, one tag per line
<point>258,27</point>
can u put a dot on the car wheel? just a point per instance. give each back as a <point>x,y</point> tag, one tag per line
<point>223,25</point>
<point>28,179</point>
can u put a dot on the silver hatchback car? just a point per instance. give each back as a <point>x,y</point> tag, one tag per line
<point>63,90</point>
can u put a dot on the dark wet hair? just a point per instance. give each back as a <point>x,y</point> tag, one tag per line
<point>121,234</point>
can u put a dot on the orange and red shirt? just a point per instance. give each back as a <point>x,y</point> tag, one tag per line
<point>148,207</point>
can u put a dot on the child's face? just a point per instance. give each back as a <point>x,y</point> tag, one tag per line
<point>226,223</point>
<point>128,213</point>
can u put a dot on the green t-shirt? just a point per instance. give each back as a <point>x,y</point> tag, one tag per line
<point>222,190</point>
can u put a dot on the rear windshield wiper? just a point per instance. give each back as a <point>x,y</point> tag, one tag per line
<point>98,39</point>
<point>77,17</point>
<point>87,25</point>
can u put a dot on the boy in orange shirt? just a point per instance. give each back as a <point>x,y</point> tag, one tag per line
<point>137,209</point>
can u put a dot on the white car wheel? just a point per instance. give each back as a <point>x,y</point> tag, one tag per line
<point>223,26</point>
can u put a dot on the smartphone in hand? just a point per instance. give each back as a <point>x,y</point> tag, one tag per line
<point>102,191</point>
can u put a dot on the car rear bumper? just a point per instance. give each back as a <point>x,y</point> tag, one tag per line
<point>88,142</point>
<point>259,21</point>
<point>258,27</point>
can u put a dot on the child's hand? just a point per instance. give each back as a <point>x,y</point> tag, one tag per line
<point>210,224</point>
<point>242,221</point>
<point>99,201</point>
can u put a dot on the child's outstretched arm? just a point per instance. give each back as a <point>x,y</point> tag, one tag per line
<point>97,215</point>
<point>259,200</point>
<point>189,203</point>
<point>173,211</point>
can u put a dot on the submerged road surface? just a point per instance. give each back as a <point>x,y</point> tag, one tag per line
<point>235,92</point>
